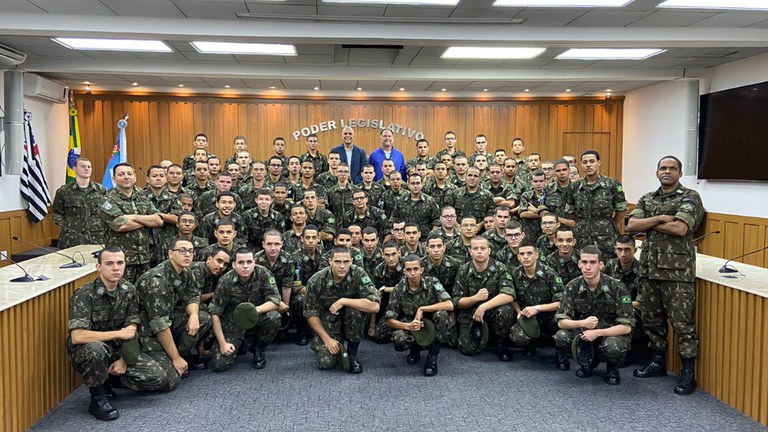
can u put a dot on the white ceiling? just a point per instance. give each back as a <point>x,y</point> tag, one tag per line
<point>695,40</point>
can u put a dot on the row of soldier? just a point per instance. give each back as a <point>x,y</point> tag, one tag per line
<point>381,269</point>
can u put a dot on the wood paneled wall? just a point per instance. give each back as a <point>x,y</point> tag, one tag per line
<point>17,223</point>
<point>164,127</point>
<point>738,235</point>
<point>35,374</point>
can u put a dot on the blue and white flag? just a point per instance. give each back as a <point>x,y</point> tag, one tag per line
<point>34,188</point>
<point>119,153</point>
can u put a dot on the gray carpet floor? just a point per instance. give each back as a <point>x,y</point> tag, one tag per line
<point>469,394</point>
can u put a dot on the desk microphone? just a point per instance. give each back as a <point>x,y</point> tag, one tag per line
<point>73,264</point>
<point>81,236</point>
<point>728,269</point>
<point>705,235</point>
<point>27,277</point>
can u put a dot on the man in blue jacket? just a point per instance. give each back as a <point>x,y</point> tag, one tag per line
<point>351,154</point>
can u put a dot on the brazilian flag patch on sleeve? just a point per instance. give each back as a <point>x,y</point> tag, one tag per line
<point>271,281</point>
<point>365,280</point>
<point>626,300</point>
<point>559,280</point>
<point>509,277</point>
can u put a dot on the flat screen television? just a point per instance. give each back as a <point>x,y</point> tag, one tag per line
<point>733,134</point>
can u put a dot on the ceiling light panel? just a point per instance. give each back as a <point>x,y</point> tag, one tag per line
<point>399,2</point>
<point>609,53</point>
<point>716,4</point>
<point>136,45</point>
<point>491,53</point>
<point>204,47</point>
<point>562,3</point>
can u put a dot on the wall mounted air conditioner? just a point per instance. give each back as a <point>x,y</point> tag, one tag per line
<point>39,87</point>
<point>10,57</point>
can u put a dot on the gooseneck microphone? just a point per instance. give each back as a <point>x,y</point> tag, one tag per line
<point>27,277</point>
<point>705,235</point>
<point>73,264</point>
<point>81,237</point>
<point>728,269</point>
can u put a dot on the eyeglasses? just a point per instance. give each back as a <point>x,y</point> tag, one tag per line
<point>276,165</point>
<point>449,216</point>
<point>548,223</point>
<point>184,251</point>
<point>358,198</point>
<point>514,235</point>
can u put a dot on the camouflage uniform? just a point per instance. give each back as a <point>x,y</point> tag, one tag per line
<point>610,303</point>
<point>189,161</point>
<point>247,193</point>
<point>76,209</point>
<point>424,212</point>
<point>207,226</point>
<point>326,180</point>
<point>258,224</point>
<point>322,292</point>
<point>500,191</point>
<point>206,203</point>
<point>496,242</point>
<point>497,280</point>
<point>374,193</point>
<point>204,281</point>
<point>476,204</point>
<point>446,238</point>
<point>509,258</point>
<point>405,302</point>
<point>198,243</point>
<point>430,161</point>
<point>370,263</point>
<point>523,173</point>
<point>211,247</point>
<point>556,199</point>
<point>325,221</point>
<point>357,257</point>
<point>374,218</point>
<point>545,247</point>
<point>517,188</point>
<point>594,205</point>
<point>230,292</point>
<point>382,276</point>
<point>340,200</point>
<point>197,190</point>
<point>668,267</point>
<point>320,190</point>
<point>544,288</point>
<point>632,280</point>
<point>531,227</point>
<point>568,269</point>
<point>389,199</point>
<point>167,203</point>
<point>320,161</point>
<point>456,249</point>
<point>306,267</point>
<point>135,244</point>
<point>292,242</point>
<point>455,154</point>
<point>488,157</point>
<point>93,307</point>
<point>443,196</point>
<point>446,272</point>
<point>284,269</point>
<point>421,250</point>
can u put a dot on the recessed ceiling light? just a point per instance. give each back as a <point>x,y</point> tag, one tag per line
<point>402,89</point>
<point>181,85</point>
<point>272,87</point>
<point>492,53</point>
<point>113,44</point>
<point>609,53</point>
<point>243,48</point>
<point>527,90</point>
<point>134,84</point>
<point>317,88</point>
<point>443,89</point>
<point>485,90</point>
<point>86,82</point>
<point>227,86</point>
<point>562,3</point>
<point>404,2</point>
<point>568,90</point>
<point>716,4</point>
<point>359,88</point>
<point>608,90</point>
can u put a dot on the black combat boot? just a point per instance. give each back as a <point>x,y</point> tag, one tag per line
<point>354,366</point>
<point>588,370</point>
<point>529,350</point>
<point>504,353</point>
<point>687,383</point>
<point>562,360</point>
<point>100,406</point>
<point>430,366</point>
<point>301,332</point>
<point>656,368</point>
<point>612,376</point>
<point>259,356</point>
<point>112,383</point>
<point>414,355</point>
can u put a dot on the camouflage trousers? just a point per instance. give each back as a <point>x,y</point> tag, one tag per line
<point>601,233</point>
<point>350,321</point>
<point>499,320</point>
<point>382,331</point>
<point>671,300</point>
<point>133,271</point>
<point>443,327</point>
<point>611,348</point>
<point>297,309</point>
<point>92,360</point>
<point>184,342</point>
<point>265,331</point>
<point>547,325</point>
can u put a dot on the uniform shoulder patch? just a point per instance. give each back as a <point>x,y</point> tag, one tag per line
<point>509,277</point>
<point>558,280</point>
<point>271,280</point>
<point>107,205</point>
<point>365,280</point>
<point>626,299</point>
<point>619,188</point>
<point>331,220</point>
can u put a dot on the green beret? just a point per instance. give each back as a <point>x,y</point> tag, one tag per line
<point>426,335</point>
<point>478,334</point>
<point>129,351</point>
<point>530,326</point>
<point>245,316</point>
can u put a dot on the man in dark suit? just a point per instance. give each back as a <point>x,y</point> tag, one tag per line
<point>351,154</point>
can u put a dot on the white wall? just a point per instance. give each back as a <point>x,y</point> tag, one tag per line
<point>50,124</point>
<point>654,126</point>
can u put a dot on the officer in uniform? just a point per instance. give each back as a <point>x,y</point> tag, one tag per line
<point>103,316</point>
<point>247,282</point>
<point>75,208</point>
<point>308,262</point>
<point>339,300</point>
<point>415,298</point>
<point>597,309</point>
<point>669,216</point>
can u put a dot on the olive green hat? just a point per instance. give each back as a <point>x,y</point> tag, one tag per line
<point>583,351</point>
<point>478,334</point>
<point>245,316</point>
<point>343,358</point>
<point>530,326</point>
<point>426,335</point>
<point>129,351</point>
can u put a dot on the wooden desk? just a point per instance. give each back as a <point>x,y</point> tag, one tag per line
<point>35,374</point>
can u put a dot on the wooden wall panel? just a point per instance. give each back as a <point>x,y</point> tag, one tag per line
<point>738,235</point>
<point>17,223</point>
<point>163,127</point>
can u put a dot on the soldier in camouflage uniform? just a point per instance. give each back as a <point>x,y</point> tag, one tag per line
<point>75,208</point>
<point>364,215</point>
<point>417,297</point>
<point>598,309</point>
<point>458,247</point>
<point>472,200</point>
<point>319,217</point>
<point>308,261</point>
<point>514,235</point>
<point>280,263</point>
<point>481,146</point>
<point>450,146</point>
<point>170,311</point>
<point>246,282</point>
<point>547,243</point>
<point>344,238</point>
<point>438,265</point>
<point>393,194</point>
<point>340,195</point>
<point>169,207</point>
<point>206,202</point>
<point>262,219</point>
<point>385,276</point>
<point>523,171</point>
<point>484,291</point>
<point>319,161</point>
<point>417,207</point>
<point>627,269</point>
<point>339,300</point>
<point>206,274</point>
<point>198,183</point>
<point>532,207</point>
<point>412,244</point>
<point>539,291</point>
<point>201,142</point>
<point>598,206</point>
<point>373,189</point>
<point>372,255</point>
<point>226,238</point>
<point>307,182</point>
<point>439,187</point>
<point>225,204</point>
<point>556,198</point>
<point>565,261</point>
<point>129,217</point>
<point>328,178</point>
<point>186,224</point>
<point>496,236</point>
<point>247,191</point>
<point>103,315</point>
<point>422,156</point>
<point>669,216</point>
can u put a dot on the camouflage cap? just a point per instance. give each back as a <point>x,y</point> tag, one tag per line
<point>245,316</point>
<point>426,335</point>
<point>478,334</point>
<point>343,358</point>
<point>285,320</point>
<point>129,351</point>
<point>530,326</point>
<point>583,351</point>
